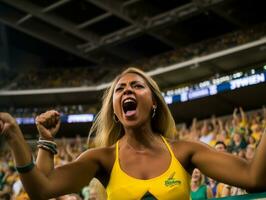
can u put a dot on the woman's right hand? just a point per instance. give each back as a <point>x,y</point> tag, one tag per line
<point>9,128</point>
<point>48,124</point>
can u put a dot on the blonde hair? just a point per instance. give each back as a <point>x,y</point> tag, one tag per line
<point>107,131</point>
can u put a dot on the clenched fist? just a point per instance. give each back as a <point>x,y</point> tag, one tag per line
<point>48,124</point>
<point>9,127</point>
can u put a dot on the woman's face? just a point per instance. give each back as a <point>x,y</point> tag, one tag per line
<point>236,137</point>
<point>251,140</point>
<point>132,100</point>
<point>196,175</point>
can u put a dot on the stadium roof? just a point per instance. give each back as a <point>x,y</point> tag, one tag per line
<point>121,31</point>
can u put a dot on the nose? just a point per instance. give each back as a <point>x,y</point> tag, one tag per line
<point>128,90</point>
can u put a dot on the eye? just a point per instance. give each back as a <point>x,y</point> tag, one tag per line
<point>138,86</point>
<point>118,89</point>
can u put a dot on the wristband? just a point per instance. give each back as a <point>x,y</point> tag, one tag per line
<point>25,168</point>
<point>48,145</point>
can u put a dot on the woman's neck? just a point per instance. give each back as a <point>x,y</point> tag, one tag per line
<point>141,139</point>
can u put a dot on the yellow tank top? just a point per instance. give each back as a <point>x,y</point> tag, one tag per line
<point>173,184</point>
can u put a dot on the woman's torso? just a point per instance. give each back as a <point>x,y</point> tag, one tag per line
<point>172,183</point>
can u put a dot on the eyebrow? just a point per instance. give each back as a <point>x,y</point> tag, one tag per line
<point>131,83</point>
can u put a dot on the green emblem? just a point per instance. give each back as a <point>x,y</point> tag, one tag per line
<point>171,181</point>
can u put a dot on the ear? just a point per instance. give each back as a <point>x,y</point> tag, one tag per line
<point>154,102</point>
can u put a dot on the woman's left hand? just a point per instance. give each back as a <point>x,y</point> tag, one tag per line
<point>48,124</point>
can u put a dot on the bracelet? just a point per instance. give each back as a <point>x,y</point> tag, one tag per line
<point>51,139</point>
<point>47,142</point>
<point>25,168</point>
<point>48,146</point>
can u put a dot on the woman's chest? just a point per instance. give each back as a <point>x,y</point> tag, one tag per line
<point>144,166</point>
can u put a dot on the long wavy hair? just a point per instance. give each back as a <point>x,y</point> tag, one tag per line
<point>107,131</point>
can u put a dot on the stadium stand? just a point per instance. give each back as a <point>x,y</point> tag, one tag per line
<point>56,78</point>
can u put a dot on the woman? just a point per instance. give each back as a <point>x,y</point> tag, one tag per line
<point>135,160</point>
<point>199,190</point>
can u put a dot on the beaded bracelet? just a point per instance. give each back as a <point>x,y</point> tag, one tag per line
<point>25,168</point>
<point>47,148</point>
<point>48,142</point>
<point>47,145</point>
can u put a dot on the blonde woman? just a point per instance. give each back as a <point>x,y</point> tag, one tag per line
<point>134,159</point>
<point>199,190</point>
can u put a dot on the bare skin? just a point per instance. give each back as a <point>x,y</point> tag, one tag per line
<point>139,146</point>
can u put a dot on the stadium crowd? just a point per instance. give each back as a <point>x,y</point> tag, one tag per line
<point>67,77</point>
<point>237,134</point>
<point>66,110</point>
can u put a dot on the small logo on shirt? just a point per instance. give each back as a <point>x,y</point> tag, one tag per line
<point>171,181</point>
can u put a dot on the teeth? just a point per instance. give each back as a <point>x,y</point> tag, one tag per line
<point>128,100</point>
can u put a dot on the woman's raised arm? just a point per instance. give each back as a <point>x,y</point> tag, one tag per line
<point>47,124</point>
<point>228,168</point>
<point>62,180</point>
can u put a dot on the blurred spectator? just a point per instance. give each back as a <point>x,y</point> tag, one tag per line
<point>220,146</point>
<point>199,190</point>
<point>213,185</point>
<point>250,151</point>
<point>65,109</point>
<point>220,191</point>
<point>206,134</point>
<point>237,142</point>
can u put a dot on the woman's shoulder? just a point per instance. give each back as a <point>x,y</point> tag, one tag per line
<point>101,153</point>
<point>189,146</point>
<point>177,144</point>
<point>103,157</point>
<point>183,151</point>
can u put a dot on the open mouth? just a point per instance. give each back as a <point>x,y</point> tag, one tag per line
<point>129,107</point>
